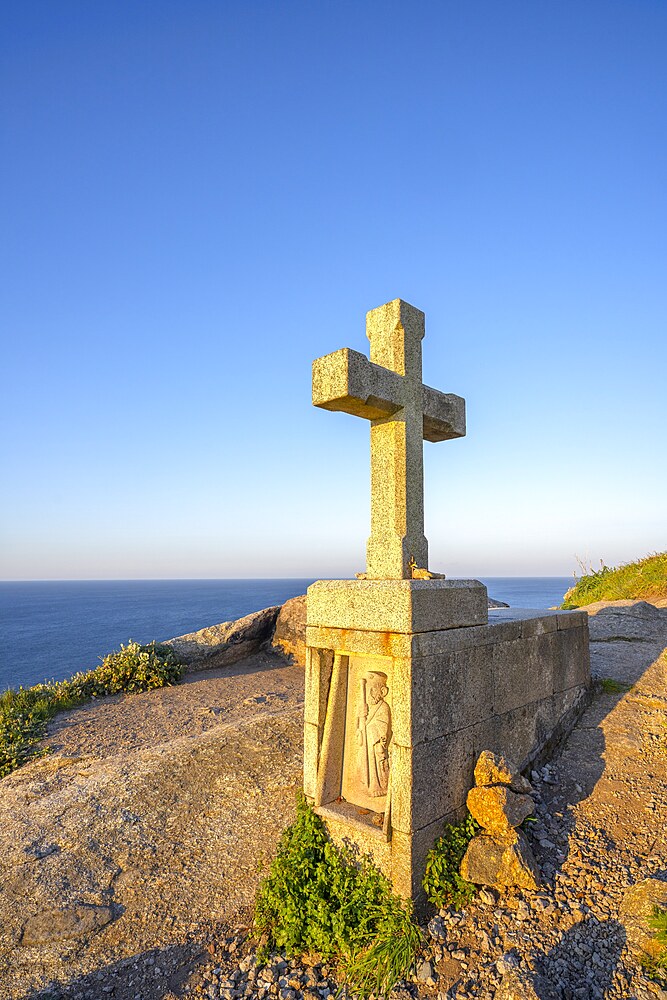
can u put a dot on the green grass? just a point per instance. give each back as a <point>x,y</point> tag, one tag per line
<point>24,712</point>
<point>323,899</point>
<point>656,966</point>
<point>442,882</point>
<point>645,579</point>
<point>610,686</point>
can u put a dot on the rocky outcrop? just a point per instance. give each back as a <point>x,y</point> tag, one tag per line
<point>289,637</point>
<point>626,621</point>
<point>496,604</point>
<point>283,626</point>
<point>220,645</point>
<point>615,627</point>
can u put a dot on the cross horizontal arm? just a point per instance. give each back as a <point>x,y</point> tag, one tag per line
<point>346,380</point>
<point>444,415</point>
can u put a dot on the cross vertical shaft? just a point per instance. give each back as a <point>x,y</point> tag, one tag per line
<point>395,332</point>
<point>387,390</point>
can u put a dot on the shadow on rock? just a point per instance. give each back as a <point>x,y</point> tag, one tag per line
<point>582,965</point>
<point>152,975</point>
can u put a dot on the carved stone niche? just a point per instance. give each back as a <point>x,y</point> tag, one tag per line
<point>353,773</point>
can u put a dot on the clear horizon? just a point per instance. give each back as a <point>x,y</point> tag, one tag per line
<point>230,579</point>
<point>202,198</point>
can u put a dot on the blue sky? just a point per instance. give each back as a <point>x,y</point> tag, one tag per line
<point>198,198</point>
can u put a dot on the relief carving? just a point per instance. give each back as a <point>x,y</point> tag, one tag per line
<point>374,733</point>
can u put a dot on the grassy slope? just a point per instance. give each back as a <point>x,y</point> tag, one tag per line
<point>645,579</point>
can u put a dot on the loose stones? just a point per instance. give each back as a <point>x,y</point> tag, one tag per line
<point>501,855</point>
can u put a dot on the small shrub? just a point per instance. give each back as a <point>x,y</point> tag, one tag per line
<point>133,668</point>
<point>657,965</point>
<point>442,882</point>
<point>24,712</point>
<point>321,898</point>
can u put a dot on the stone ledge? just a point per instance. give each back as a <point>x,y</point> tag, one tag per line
<point>403,606</point>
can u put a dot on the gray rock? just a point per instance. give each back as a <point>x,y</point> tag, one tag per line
<point>506,964</point>
<point>220,645</point>
<point>64,923</point>
<point>635,621</point>
<point>289,636</point>
<point>424,971</point>
<point>438,930</point>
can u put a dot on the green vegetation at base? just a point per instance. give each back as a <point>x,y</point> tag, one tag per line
<point>657,966</point>
<point>442,882</point>
<point>645,579</point>
<point>323,899</point>
<point>24,712</point>
<point>610,686</point>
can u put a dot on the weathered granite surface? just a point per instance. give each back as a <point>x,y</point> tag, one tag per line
<point>513,686</point>
<point>221,645</point>
<point>388,391</point>
<point>289,636</point>
<point>404,606</point>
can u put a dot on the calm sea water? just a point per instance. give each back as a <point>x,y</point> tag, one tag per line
<point>52,629</point>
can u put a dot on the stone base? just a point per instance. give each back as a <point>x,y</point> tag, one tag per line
<point>444,695</point>
<point>404,606</point>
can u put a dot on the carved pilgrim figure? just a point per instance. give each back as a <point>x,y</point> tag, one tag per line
<point>374,733</point>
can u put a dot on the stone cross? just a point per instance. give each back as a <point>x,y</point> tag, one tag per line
<point>388,391</point>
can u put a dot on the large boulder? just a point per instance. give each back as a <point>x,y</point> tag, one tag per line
<point>289,637</point>
<point>220,645</point>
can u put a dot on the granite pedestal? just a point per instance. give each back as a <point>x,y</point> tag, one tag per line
<point>399,706</point>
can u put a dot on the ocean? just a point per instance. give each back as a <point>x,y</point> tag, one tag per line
<point>51,629</point>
